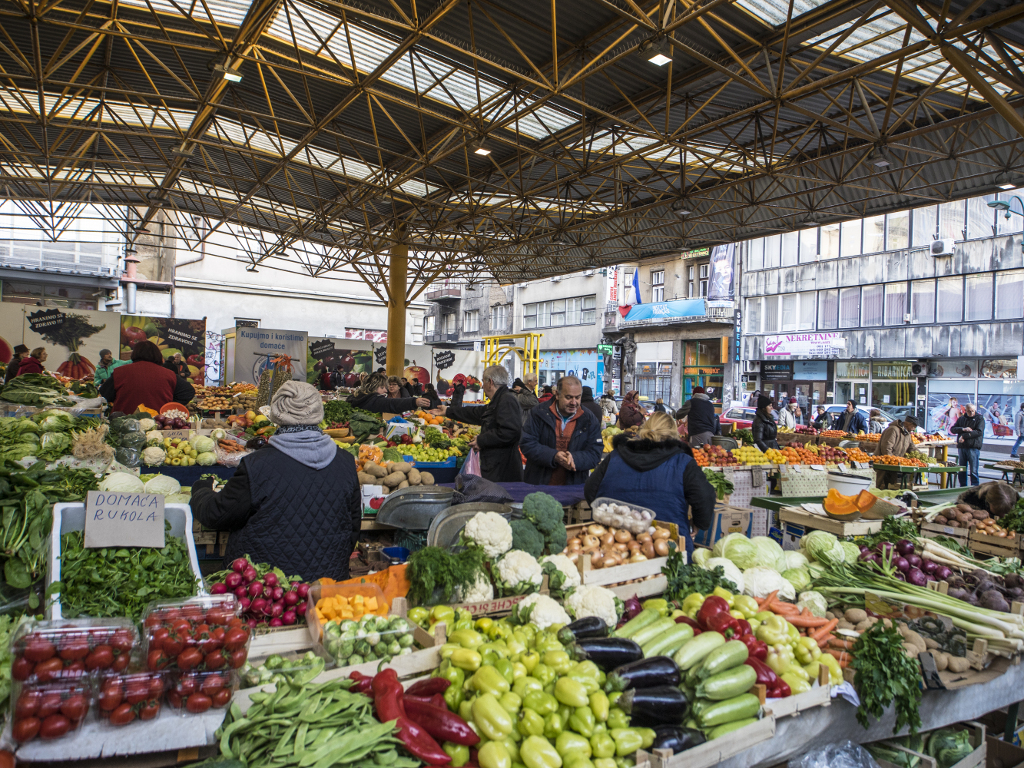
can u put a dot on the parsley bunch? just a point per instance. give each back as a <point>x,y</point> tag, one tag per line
<point>885,675</point>
<point>685,579</point>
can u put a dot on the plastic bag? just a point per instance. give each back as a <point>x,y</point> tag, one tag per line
<point>226,459</point>
<point>472,465</point>
<point>130,457</point>
<point>845,754</point>
<point>472,488</point>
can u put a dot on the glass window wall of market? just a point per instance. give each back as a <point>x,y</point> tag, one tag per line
<point>992,385</point>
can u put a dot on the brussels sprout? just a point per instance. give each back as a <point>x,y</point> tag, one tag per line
<point>332,631</point>
<point>371,656</point>
<point>398,623</point>
<point>354,659</point>
<point>274,661</point>
<point>394,648</point>
<point>347,647</point>
<point>350,634</point>
<point>381,649</point>
<point>373,638</point>
<point>362,647</point>
<point>405,651</point>
<point>405,641</point>
<point>368,620</point>
<point>348,624</point>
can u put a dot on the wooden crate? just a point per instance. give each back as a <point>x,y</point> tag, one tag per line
<point>819,696</point>
<point>712,753</point>
<point>798,516</point>
<point>934,530</point>
<point>985,544</point>
<point>974,760</point>
<point>501,606</point>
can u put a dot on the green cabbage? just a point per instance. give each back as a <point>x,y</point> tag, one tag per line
<point>163,484</point>
<point>850,551</point>
<point>949,746</point>
<point>206,459</point>
<point>738,548</point>
<point>798,577</point>
<point>815,601</point>
<point>795,559</point>
<point>770,554</point>
<point>203,445</point>
<point>729,569</point>
<point>701,556</point>
<point>122,482</point>
<point>817,543</point>
<point>760,582</point>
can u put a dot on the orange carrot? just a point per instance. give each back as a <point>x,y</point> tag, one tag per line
<point>840,643</point>
<point>778,606</point>
<point>808,621</point>
<point>826,629</point>
<point>762,605</point>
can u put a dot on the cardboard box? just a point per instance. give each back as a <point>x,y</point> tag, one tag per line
<point>787,536</point>
<point>727,520</point>
<point>1000,754</point>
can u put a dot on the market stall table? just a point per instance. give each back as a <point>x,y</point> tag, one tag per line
<point>1017,472</point>
<point>908,473</point>
<point>775,503</point>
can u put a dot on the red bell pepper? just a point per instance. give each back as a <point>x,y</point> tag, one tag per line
<point>780,691</point>
<point>724,624</point>
<point>389,705</point>
<point>712,606</point>
<point>428,686</point>
<point>755,647</point>
<point>440,723</point>
<point>765,675</point>
<point>744,626</point>
<point>362,683</point>
<point>690,623</point>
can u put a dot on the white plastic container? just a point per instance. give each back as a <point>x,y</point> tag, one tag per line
<point>848,485</point>
<point>71,517</point>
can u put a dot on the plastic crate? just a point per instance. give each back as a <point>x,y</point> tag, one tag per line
<point>71,517</point>
<point>443,471</point>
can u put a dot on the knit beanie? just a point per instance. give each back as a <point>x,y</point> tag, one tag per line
<point>296,403</point>
<point>518,383</point>
<point>762,401</point>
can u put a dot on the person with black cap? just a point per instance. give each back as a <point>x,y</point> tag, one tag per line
<point>701,420</point>
<point>764,428</point>
<point>592,405</point>
<point>20,352</point>
<point>895,440</point>
<point>525,394</point>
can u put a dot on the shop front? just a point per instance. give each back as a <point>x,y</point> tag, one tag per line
<point>586,364</point>
<point>852,381</point>
<point>704,366</point>
<point>894,388</point>
<point>991,384</point>
<point>654,380</point>
<point>806,380</point>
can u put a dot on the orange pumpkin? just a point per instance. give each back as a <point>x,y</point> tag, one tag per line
<point>837,504</point>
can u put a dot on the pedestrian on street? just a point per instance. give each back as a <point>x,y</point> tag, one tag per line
<point>1018,427</point>
<point>970,433</point>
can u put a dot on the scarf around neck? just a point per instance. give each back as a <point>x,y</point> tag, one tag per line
<point>309,447</point>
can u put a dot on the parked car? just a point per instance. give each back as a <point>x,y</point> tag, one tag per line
<point>741,417</point>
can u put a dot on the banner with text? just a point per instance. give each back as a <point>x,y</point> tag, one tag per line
<point>805,345</point>
<point>72,337</point>
<point>171,335</point>
<point>255,349</point>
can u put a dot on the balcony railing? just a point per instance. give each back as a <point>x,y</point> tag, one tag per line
<point>445,294</point>
<point>440,338</point>
<point>75,257</point>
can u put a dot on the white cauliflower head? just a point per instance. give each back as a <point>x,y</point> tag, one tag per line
<point>544,612</point>
<point>491,532</point>
<point>478,592</point>
<point>593,601</point>
<point>570,573</point>
<point>519,572</point>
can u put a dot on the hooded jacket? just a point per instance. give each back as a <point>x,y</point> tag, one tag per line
<point>587,401</point>
<point>375,403</point>
<point>975,437</point>
<point>765,431</point>
<point>145,383</point>
<point>851,422</point>
<point>538,446</point>
<point>527,401</point>
<point>701,416</point>
<point>29,364</point>
<point>501,424</point>
<point>659,475</point>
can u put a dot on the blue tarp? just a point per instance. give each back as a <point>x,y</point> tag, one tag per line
<point>666,310</point>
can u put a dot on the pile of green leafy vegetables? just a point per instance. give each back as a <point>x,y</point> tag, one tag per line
<point>106,582</point>
<point>685,579</point>
<point>886,675</point>
<point>27,497</point>
<point>723,485</point>
<point>38,389</point>
<point>48,435</point>
<point>434,573</point>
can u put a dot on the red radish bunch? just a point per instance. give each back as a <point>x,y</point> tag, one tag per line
<point>263,600</point>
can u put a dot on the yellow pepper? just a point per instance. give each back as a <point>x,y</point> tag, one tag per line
<point>747,605</point>
<point>835,672</point>
<point>692,604</point>
<point>725,595</point>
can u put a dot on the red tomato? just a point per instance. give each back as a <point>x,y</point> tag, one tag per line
<point>222,697</point>
<point>38,648</point>
<point>235,621</point>
<point>25,730</point>
<point>21,668</point>
<point>74,670</point>
<point>149,710</point>
<point>156,687</point>
<point>121,662</point>
<point>157,659</point>
<point>190,658</point>
<point>198,702</point>
<point>215,659</point>
<point>235,638</point>
<point>186,686</point>
<point>28,704</point>
<point>122,641</point>
<point>54,727</point>
<point>49,704</point>
<point>201,629</point>
<point>158,636</point>
<point>6,759</point>
<point>174,699</point>
<point>110,698</point>
<point>152,621</point>
<point>74,707</point>
<point>74,648</point>
<point>136,691</point>
<point>237,658</point>
<point>123,715</point>
<point>193,612</point>
<point>49,670</point>
<point>102,657</point>
<point>181,627</point>
<point>211,684</point>
<point>173,644</point>
<point>219,616</point>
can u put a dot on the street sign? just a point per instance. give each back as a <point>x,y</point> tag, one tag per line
<point>606,349</point>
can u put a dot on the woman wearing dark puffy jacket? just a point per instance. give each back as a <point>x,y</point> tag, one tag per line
<point>764,428</point>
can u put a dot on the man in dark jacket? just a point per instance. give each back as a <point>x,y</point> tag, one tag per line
<point>702,421</point>
<point>501,425</point>
<point>525,392</point>
<point>294,504</point>
<point>592,405</point>
<point>20,352</point>
<point>764,429</point>
<point>823,420</point>
<point>562,439</point>
<point>852,420</point>
<point>177,365</point>
<point>970,432</point>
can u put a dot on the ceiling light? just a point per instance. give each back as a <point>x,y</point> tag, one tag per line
<point>479,148</point>
<point>681,208</point>
<point>1006,185</point>
<point>877,157</point>
<point>1003,181</point>
<point>656,51</point>
<point>230,74</point>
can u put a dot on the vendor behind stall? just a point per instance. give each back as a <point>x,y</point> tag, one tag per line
<point>656,470</point>
<point>294,504</point>
<point>501,424</point>
<point>896,440</point>
<point>372,396</point>
<point>146,382</point>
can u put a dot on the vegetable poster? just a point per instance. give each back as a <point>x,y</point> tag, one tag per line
<point>72,338</point>
<point>172,335</point>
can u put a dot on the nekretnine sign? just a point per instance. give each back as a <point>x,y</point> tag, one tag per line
<point>805,345</point>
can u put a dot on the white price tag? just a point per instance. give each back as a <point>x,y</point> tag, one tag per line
<point>818,467</point>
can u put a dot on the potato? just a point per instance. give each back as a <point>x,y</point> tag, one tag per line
<point>941,660</point>
<point>426,478</point>
<point>828,614</point>
<point>366,479</point>
<point>844,624</point>
<point>392,480</point>
<point>863,626</point>
<point>403,484</point>
<point>941,520</point>
<point>855,615</point>
<point>930,644</point>
<point>980,514</point>
<point>913,638</point>
<point>414,477</point>
<point>401,466</point>
<point>374,469</point>
<point>911,650</point>
<point>958,664</point>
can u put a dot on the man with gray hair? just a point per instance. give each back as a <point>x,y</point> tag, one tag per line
<point>500,425</point>
<point>526,393</point>
<point>562,439</point>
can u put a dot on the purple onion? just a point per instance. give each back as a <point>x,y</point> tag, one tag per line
<point>884,547</point>
<point>942,573</point>
<point>916,577</point>
<point>631,607</point>
<point>914,560</point>
<point>929,566</point>
<point>864,548</point>
<point>899,576</point>
<point>905,547</point>
<point>929,577</point>
<point>901,564</point>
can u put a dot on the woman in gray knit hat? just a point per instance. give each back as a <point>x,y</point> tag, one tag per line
<point>294,504</point>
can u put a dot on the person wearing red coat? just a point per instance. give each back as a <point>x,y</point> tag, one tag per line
<point>33,363</point>
<point>145,382</point>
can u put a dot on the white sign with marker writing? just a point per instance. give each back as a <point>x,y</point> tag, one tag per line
<point>124,520</point>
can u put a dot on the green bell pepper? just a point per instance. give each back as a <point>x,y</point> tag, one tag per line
<point>797,683</point>
<point>459,753</point>
<point>441,613</point>
<point>553,725</point>
<point>525,685</point>
<point>627,740</point>
<point>659,604</point>
<point>530,723</point>
<point>512,747</point>
<point>493,755</point>
<point>453,696</point>
<point>466,710</point>
<point>559,661</point>
<point>511,703</point>
<point>491,718</point>
<point>577,761</point>
<point>725,594</point>
<point>489,680</point>
<point>518,670</point>
<point>418,616</point>
<point>466,659</point>
<point>835,672</point>
<point>463,624</point>
<point>504,667</point>
<point>537,752</point>
<point>606,762</point>
<point>806,650</point>
<point>774,631</point>
<point>746,605</point>
<point>569,743</point>
<point>498,648</point>
<point>572,692</point>
<point>589,682</point>
<point>599,705</point>
<point>692,604</point>
<point>793,632</point>
<point>648,735</point>
<point>530,660</point>
<point>617,719</point>
<point>544,673</point>
<point>452,674</point>
<point>583,721</point>
<point>541,703</point>
<point>467,638</point>
<point>602,745</point>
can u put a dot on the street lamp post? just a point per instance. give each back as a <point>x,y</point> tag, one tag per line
<point>1004,205</point>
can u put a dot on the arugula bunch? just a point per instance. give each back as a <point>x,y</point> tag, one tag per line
<point>885,675</point>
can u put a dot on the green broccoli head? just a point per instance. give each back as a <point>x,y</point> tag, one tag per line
<point>556,539</point>
<point>527,538</point>
<point>544,511</point>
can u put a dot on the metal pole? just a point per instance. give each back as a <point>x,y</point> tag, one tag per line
<point>398,269</point>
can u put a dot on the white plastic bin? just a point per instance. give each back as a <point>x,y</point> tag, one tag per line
<point>71,517</point>
<point>848,485</point>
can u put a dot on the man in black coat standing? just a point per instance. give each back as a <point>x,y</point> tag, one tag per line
<point>501,424</point>
<point>562,439</point>
<point>592,405</point>
<point>970,434</point>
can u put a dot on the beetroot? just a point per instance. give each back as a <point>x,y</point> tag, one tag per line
<point>289,618</point>
<point>259,606</point>
<point>270,580</point>
<point>249,574</point>
<point>234,580</point>
<point>276,610</point>
<point>275,622</point>
<point>278,594</point>
<point>303,590</point>
<point>244,602</point>
<point>255,589</point>
<point>301,609</point>
<point>291,597</point>
<point>240,592</point>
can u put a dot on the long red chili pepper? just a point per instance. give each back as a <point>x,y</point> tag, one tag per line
<point>362,682</point>
<point>440,723</point>
<point>389,705</point>
<point>437,700</point>
<point>428,686</point>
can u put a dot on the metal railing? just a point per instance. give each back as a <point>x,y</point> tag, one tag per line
<point>445,294</point>
<point>81,257</point>
<point>437,338</point>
